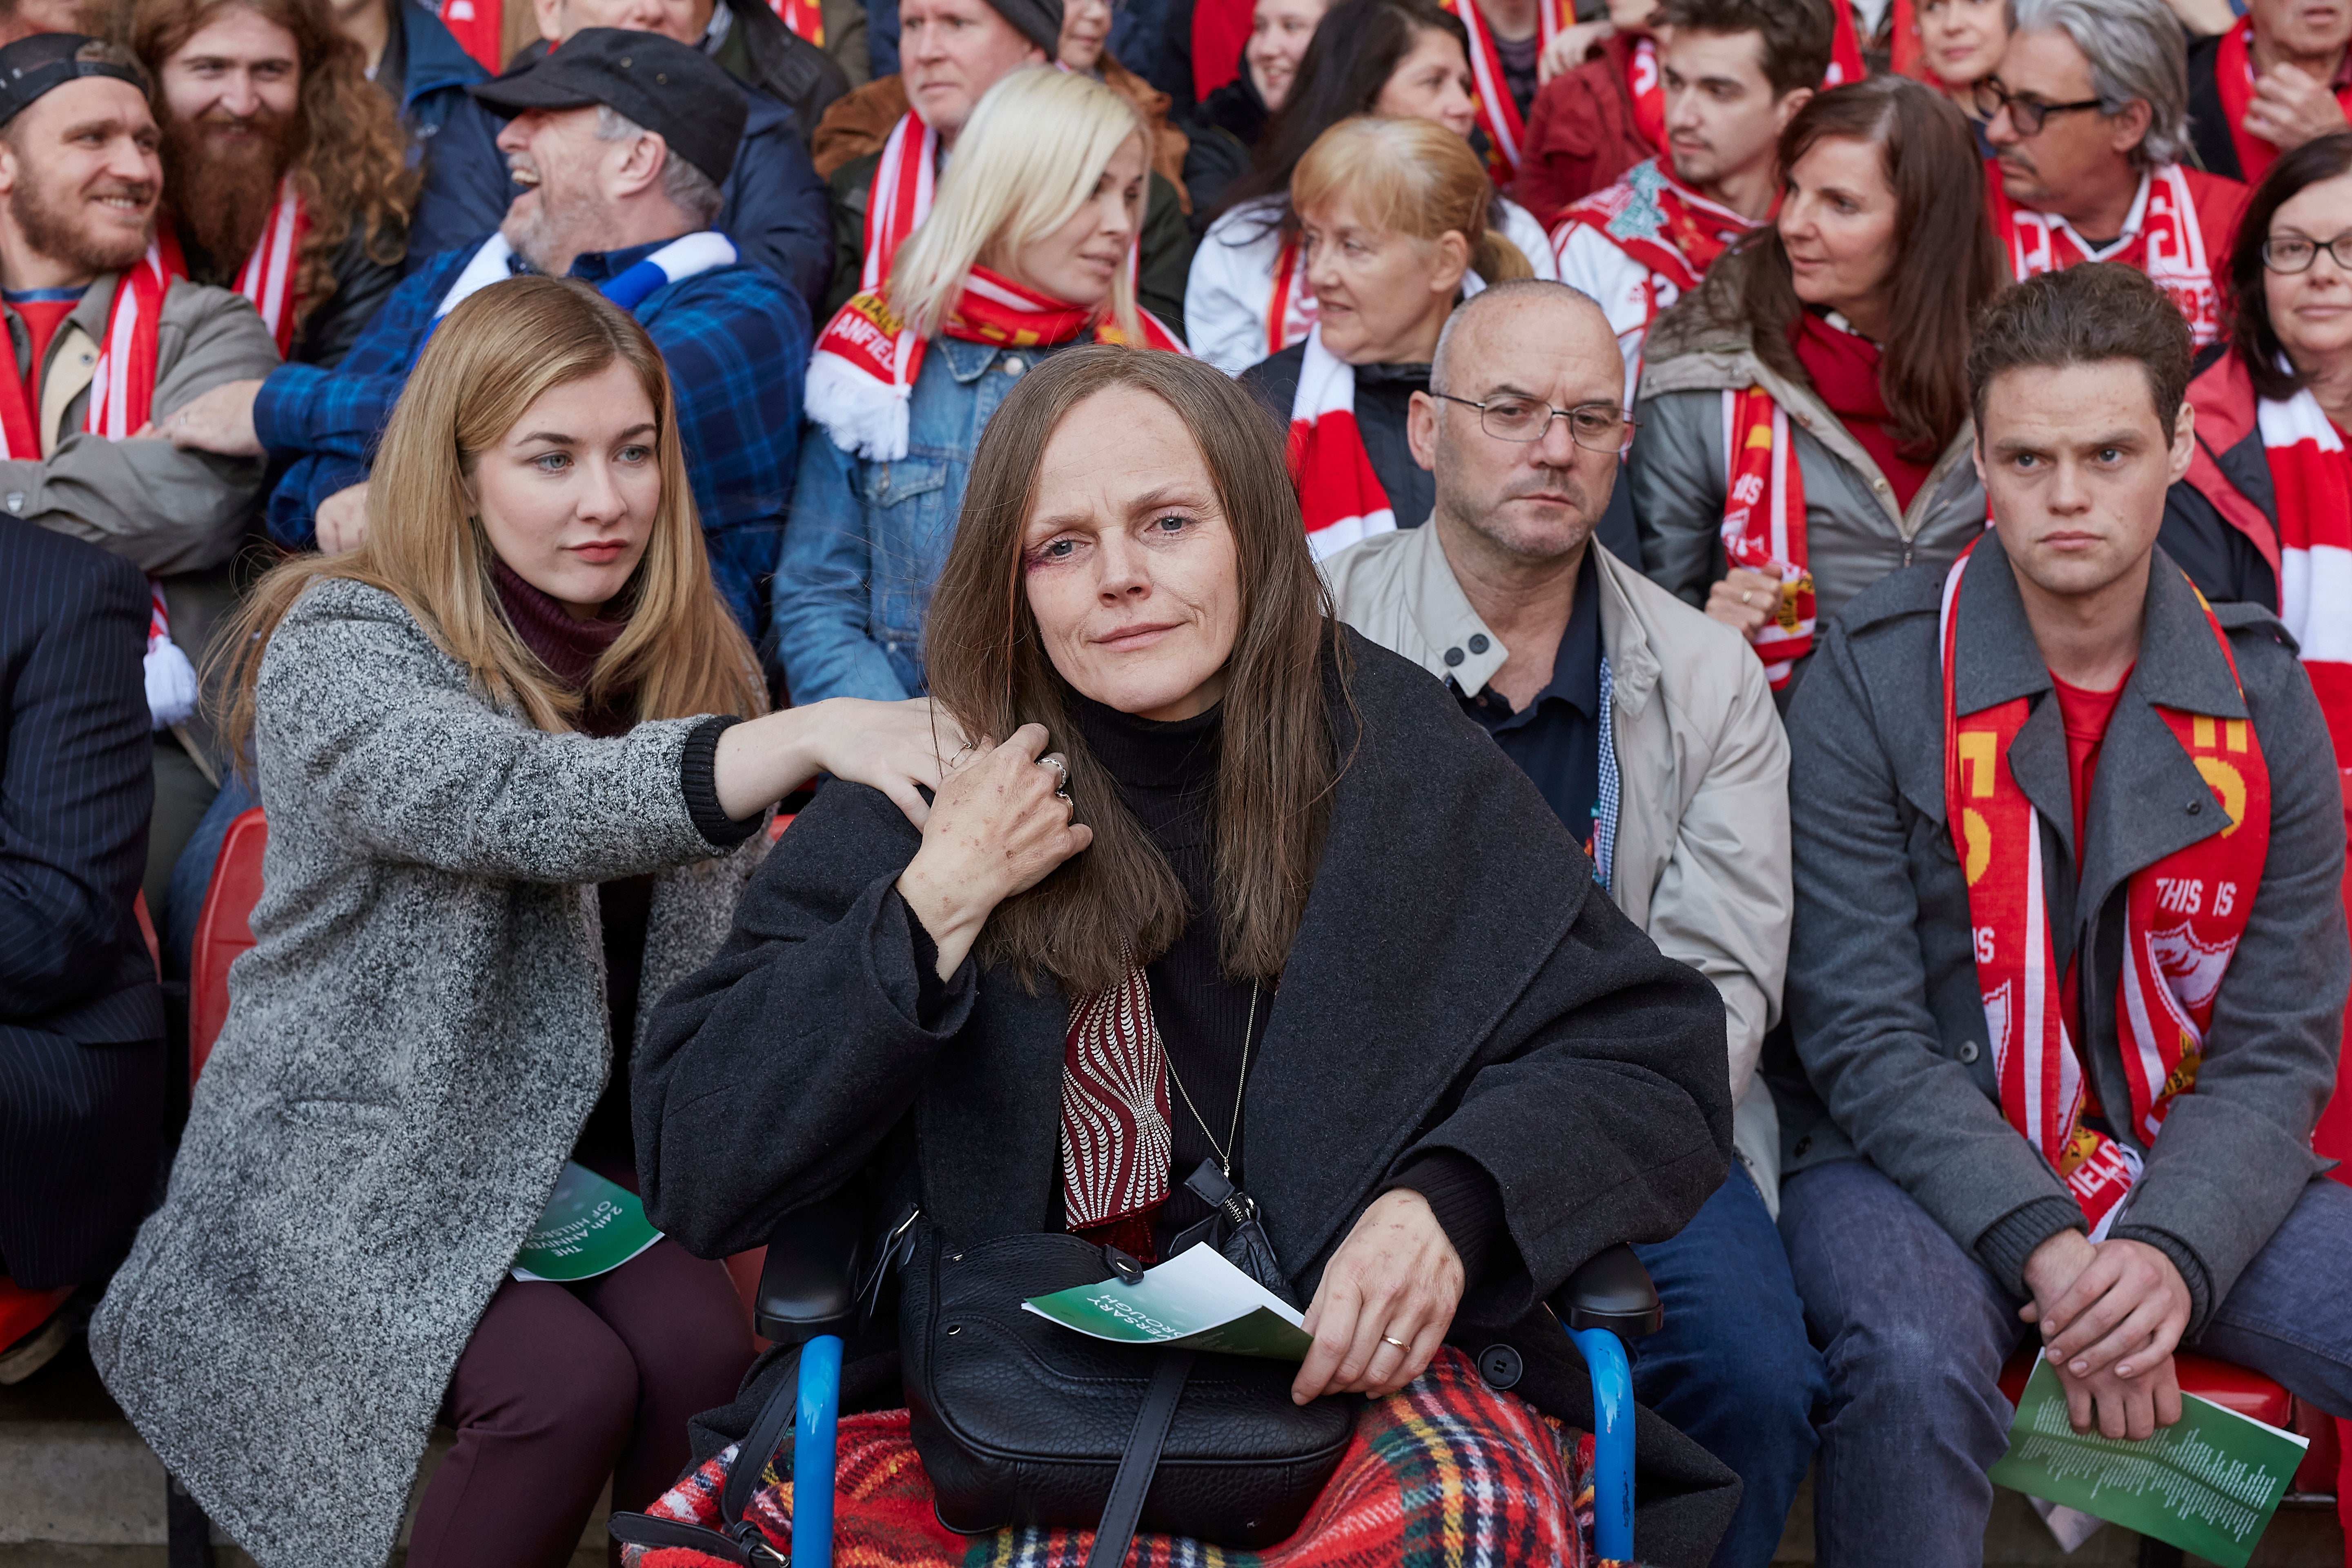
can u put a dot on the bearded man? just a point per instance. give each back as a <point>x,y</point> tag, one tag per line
<point>287,169</point>
<point>79,178</point>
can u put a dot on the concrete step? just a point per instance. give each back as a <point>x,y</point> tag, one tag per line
<point>79,1489</point>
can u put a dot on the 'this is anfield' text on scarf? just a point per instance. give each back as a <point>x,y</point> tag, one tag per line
<point>1764,523</point>
<point>1339,494</point>
<point>2183,917</point>
<point>861,377</point>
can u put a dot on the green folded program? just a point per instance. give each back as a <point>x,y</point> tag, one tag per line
<point>590,1226</point>
<point>2208,1484</point>
<point>1196,1300</point>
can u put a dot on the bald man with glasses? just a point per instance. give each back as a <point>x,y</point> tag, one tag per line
<point>1652,732</point>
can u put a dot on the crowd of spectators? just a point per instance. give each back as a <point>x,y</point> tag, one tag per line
<point>1717,625</point>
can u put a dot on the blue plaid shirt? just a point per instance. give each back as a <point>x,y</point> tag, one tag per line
<point>737,342</point>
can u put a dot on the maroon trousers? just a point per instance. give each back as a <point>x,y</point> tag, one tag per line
<point>563,1386</point>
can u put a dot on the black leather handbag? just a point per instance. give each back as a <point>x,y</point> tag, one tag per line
<point>1021,1421</point>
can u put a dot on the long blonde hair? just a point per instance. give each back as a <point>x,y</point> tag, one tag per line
<point>487,363</point>
<point>1032,152</point>
<point>1412,177</point>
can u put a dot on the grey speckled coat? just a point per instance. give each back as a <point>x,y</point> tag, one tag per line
<point>412,1046</point>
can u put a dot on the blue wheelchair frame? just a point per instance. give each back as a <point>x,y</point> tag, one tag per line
<point>806,1301</point>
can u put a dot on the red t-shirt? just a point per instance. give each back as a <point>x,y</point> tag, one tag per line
<point>2084,716</point>
<point>43,311</point>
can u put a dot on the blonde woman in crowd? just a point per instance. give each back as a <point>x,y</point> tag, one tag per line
<point>514,772</point>
<point>1394,219</point>
<point>1029,247</point>
<point>1248,296</point>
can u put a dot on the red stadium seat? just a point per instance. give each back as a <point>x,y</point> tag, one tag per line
<point>777,823</point>
<point>223,931</point>
<point>2247,1394</point>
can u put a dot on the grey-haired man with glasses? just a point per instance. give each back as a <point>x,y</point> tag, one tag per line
<point>1652,732</point>
<point>2088,120</point>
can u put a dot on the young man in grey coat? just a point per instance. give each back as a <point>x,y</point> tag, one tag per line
<point>1650,731</point>
<point>2069,966</point>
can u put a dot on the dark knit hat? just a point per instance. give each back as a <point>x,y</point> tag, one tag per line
<point>1039,21</point>
<point>654,80</point>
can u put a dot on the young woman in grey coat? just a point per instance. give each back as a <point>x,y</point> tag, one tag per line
<point>1848,319</point>
<point>508,795</point>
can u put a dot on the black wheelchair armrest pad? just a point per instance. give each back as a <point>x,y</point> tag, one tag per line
<point>809,1284</point>
<point>1612,1290</point>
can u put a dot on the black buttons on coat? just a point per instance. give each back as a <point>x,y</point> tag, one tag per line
<point>1478,642</point>
<point>1452,656</point>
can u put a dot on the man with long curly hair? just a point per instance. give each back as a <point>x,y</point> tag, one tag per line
<point>285,170</point>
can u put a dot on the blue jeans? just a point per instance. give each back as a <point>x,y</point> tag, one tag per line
<point>1916,1332</point>
<point>1732,1369</point>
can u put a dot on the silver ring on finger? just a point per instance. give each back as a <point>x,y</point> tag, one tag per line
<point>1747,596</point>
<point>1054,760</point>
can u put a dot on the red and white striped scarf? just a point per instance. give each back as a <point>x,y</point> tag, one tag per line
<point>1290,308</point>
<point>802,17</point>
<point>1764,523</point>
<point>2183,916</point>
<point>1498,114</point>
<point>1673,231</point>
<point>861,377</point>
<point>268,276</point>
<point>1339,495</point>
<point>2312,474</point>
<point>905,181</point>
<point>2164,237</point>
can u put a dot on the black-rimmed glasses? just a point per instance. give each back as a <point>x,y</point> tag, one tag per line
<point>1595,426</point>
<point>2026,114</point>
<point>2297,254</point>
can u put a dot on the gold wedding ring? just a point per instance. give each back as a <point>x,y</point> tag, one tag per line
<point>1393,1340</point>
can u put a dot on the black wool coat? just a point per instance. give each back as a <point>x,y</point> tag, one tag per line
<point>1457,983</point>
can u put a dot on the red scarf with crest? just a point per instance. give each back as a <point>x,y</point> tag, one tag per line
<point>2177,224</point>
<point>1764,523</point>
<point>2184,915</point>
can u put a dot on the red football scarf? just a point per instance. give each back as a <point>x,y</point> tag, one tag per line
<point>1673,231</point>
<point>2312,473</point>
<point>1290,308</point>
<point>1498,116</point>
<point>2183,917</point>
<point>2163,238</point>
<point>803,16</point>
<point>2233,78</point>
<point>863,371</point>
<point>1647,88</point>
<point>267,276</point>
<point>1764,523</point>
<point>1845,50</point>
<point>900,197</point>
<point>1338,493</point>
<point>1117,1140</point>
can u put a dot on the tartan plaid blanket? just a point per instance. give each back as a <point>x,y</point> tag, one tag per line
<point>1446,1471</point>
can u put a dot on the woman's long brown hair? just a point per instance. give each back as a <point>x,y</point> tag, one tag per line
<point>1118,901</point>
<point>1948,264</point>
<point>351,168</point>
<point>490,359</point>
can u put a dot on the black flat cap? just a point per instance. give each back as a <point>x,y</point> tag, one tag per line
<point>31,66</point>
<point>657,81</point>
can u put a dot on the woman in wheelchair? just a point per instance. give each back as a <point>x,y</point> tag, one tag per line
<point>503,805</point>
<point>1217,885</point>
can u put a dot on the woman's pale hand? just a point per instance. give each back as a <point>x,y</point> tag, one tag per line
<point>997,826</point>
<point>1395,1278</point>
<point>1745,600</point>
<point>341,520</point>
<point>899,748</point>
<point>1569,46</point>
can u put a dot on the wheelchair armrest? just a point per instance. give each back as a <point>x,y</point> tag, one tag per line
<point>809,1284</point>
<point>1612,1292</point>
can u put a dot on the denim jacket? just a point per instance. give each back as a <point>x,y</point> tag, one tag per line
<point>864,541</point>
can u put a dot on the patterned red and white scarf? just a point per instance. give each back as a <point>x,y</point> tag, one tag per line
<point>2183,917</point>
<point>862,374</point>
<point>2233,79</point>
<point>2312,474</point>
<point>1764,523</point>
<point>122,401</point>
<point>1290,308</point>
<point>1498,114</point>
<point>1116,1136</point>
<point>1673,231</point>
<point>1646,86</point>
<point>803,17</point>
<point>268,276</point>
<point>2163,237</point>
<point>904,181</point>
<point>1339,495</point>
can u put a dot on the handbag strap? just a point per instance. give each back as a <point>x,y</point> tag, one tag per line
<point>1124,1508</point>
<point>743,1541</point>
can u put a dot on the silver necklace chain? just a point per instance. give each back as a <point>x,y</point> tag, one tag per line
<point>1233,1135</point>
